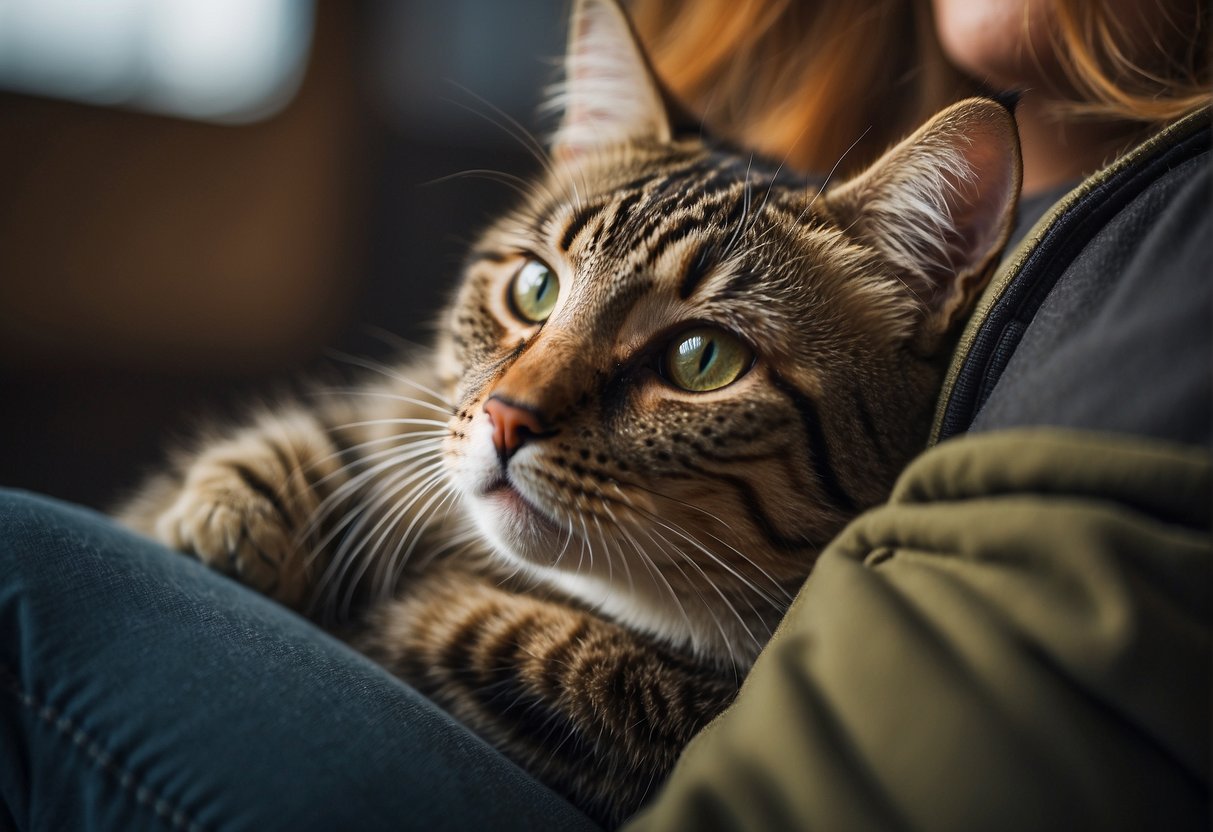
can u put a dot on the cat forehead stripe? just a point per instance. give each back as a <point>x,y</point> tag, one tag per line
<point>580,218</point>
<point>701,260</point>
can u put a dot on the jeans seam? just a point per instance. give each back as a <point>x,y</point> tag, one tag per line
<point>103,759</point>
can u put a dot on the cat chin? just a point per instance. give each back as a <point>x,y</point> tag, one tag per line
<point>516,527</point>
<point>528,542</point>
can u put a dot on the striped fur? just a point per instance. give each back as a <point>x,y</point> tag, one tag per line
<point>590,602</point>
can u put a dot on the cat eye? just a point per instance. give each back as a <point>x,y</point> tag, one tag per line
<point>706,358</point>
<point>533,292</point>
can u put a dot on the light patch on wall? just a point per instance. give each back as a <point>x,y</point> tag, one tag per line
<point>229,61</point>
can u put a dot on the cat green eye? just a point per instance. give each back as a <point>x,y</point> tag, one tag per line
<point>706,358</point>
<point>534,291</point>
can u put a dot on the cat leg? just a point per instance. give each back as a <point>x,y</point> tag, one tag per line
<point>242,504</point>
<point>302,502</point>
<point>597,712</point>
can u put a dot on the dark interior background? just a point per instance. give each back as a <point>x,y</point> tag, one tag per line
<point>157,273</point>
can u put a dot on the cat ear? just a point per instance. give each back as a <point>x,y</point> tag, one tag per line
<point>610,93</point>
<point>940,205</point>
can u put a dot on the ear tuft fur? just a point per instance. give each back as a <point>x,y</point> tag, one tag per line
<point>1008,98</point>
<point>939,206</point>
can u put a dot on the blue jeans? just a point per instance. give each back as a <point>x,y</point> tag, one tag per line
<point>139,690</point>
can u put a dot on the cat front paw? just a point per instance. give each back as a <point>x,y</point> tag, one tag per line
<point>238,523</point>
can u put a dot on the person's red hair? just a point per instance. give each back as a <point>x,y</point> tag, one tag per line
<point>1151,69</point>
<point>814,82</point>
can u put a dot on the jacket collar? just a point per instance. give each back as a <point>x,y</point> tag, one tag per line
<point>1044,253</point>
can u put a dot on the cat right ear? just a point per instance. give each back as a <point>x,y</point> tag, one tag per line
<point>610,94</point>
<point>939,206</point>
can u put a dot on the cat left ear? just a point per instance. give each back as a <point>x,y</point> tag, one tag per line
<point>940,206</point>
<point>610,93</point>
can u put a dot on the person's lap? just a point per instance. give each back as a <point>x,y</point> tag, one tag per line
<point>140,690</point>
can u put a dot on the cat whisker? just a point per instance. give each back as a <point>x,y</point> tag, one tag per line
<point>667,551</point>
<point>774,583</point>
<point>503,578</point>
<point>614,540</point>
<point>527,189</point>
<point>394,508</point>
<point>606,550</point>
<point>555,724</point>
<point>432,516</point>
<point>511,126</point>
<point>377,394</point>
<point>746,193</point>
<point>689,538</point>
<point>321,512</point>
<point>335,498</point>
<point>568,538</point>
<point>774,603</point>
<point>359,515</point>
<point>290,482</point>
<point>406,446</point>
<point>336,575</point>
<point>758,211</point>
<point>744,557</point>
<point>355,540</point>
<point>778,587</point>
<point>618,483</point>
<point>411,444</point>
<point>825,183</point>
<point>395,420</point>
<point>384,582</point>
<point>383,369</point>
<point>623,559</point>
<point>724,599</point>
<point>778,170</point>
<point>517,184</point>
<point>580,548</point>
<point>391,339</point>
<point>386,494</point>
<point>749,253</point>
<point>587,546</point>
<point>456,545</point>
<point>647,561</point>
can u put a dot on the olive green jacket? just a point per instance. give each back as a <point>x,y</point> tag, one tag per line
<point>1019,639</point>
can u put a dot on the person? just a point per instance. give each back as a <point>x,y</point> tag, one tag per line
<point>1019,639</point>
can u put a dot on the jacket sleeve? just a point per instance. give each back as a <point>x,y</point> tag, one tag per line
<point>1019,639</point>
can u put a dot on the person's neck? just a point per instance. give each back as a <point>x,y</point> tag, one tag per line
<point>1056,151</point>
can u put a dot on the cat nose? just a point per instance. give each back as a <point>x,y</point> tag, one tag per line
<point>513,425</point>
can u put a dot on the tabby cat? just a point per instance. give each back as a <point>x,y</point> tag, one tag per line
<point>669,377</point>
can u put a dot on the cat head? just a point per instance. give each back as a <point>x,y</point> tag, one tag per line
<point>682,368</point>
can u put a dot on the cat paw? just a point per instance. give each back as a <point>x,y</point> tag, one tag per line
<point>237,526</point>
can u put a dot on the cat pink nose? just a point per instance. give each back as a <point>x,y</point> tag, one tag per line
<point>512,424</point>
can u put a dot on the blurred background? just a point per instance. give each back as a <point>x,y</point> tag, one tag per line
<point>201,200</point>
